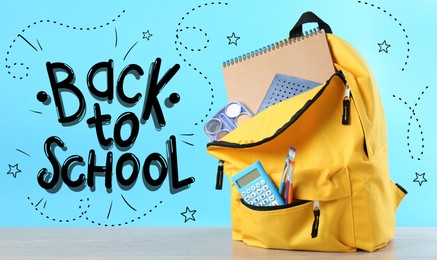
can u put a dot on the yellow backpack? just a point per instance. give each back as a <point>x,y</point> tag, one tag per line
<point>345,197</point>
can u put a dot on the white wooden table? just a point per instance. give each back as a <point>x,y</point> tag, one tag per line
<point>183,243</point>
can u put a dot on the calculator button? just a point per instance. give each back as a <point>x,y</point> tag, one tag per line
<point>259,191</point>
<point>248,191</point>
<point>253,195</point>
<point>262,182</point>
<point>262,196</point>
<point>247,198</point>
<point>258,185</point>
<point>265,187</point>
<point>269,192</point>
<point>243,194</point>
<point>275,203</point>
<point>266,201</point>
<point>253,188</point>
<point>256,200</point>
<point>259,204</point>
<point>271,198</point>
<point>250,203</point>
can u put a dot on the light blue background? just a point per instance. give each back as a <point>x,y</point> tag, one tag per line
<point>407,70</point>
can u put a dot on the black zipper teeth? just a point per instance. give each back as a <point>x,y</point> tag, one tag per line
<point>296,116</point>
<point>269,208</point>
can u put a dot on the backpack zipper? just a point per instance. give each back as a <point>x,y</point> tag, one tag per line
<point>316,222</point>
<point>346,106</point>
<point>296,116</point>
<point>219,178</point>
<point>316,212</point>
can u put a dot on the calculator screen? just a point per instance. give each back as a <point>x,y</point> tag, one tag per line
<point>248,178</point>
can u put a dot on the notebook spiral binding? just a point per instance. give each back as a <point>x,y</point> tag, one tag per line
<point>271,47</point>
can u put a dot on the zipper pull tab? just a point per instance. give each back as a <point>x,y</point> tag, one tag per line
<point>316,211</point>
<point>219,178</point>
<point>346,106</point>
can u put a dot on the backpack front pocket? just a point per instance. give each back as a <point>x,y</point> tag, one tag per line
<point>324,224</point>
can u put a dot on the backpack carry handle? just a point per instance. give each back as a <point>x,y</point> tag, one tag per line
<point>308,17</point>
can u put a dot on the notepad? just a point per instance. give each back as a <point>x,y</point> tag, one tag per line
<point>248,77</point>
<point>284,87</point>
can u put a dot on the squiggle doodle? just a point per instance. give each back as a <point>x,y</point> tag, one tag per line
<point>179,43</point>
<point>18,64</point>
<point>8,63</point>
<point>414,118</point>
<point>60,220</point>
<point>192,49</point>
<point>400,24</point>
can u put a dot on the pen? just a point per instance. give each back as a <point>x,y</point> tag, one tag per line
<point>284,176</point>
<point>290,171</point>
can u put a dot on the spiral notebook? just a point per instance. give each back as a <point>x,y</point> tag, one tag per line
<point>248,77</point>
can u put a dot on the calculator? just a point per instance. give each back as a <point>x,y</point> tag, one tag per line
<point>256,188</point>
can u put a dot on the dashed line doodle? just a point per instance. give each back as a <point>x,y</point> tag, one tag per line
<point>194,49</point>
<point>181,46</point>
<point>10,65</point>
<point>82,213</point>
<point>407,41</point>
<point>143,215</point>
<point>414,119</point>
<point>84,210</point>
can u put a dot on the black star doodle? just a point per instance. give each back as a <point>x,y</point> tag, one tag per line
<point>420,178</point>
<point>188,214</point>
<point>386,12</point>
<point>147,35</point>
<point>233,39</point>
<point>13,169</point>
<point>383,46</point>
